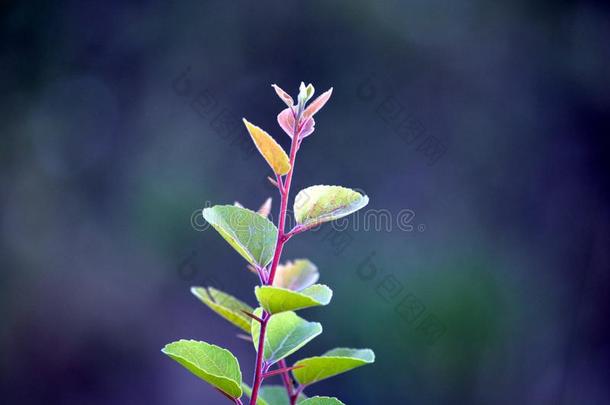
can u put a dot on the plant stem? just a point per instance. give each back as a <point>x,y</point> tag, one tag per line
<point>295,394</point>
<point>258,372</point>
<point>281,239</point>
<point>286,379</point>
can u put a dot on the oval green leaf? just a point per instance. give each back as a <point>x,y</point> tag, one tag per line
<point>269,148</point>
<point>296,275</point>
<point>330,364</point>
<point>211,363</point>
<point>225,305</point>
<point>322,401</point>
<point>317,204</point>
<point>275,299</point>
<point>253,236</point>
<point>286,333</point>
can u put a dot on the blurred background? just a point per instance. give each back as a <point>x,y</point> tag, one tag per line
<point>480,127</point>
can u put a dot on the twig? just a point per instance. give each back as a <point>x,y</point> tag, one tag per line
<point>283,370</point>
<point>286,379</point>
<point>256,318</point>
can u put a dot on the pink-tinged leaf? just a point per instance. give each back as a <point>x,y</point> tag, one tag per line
<point>286,121</point>
<point>272,181</point>
<point>283,95</point>
<point>307,128</point>
<point>241,336</point>
<point>318,103</point>
<point>265,209</point>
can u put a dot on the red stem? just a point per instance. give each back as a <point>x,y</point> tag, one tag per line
<point>258,372</point>
<point>256,318</point>
<point>281,239</point>
<point>295,394</point>
<point>286,379</point>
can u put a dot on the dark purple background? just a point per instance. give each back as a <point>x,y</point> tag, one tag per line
<point>488,121</point>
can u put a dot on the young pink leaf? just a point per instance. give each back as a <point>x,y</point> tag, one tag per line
<point>318,103</point>
<point>272,181</point>
<point>283,95</point>
<point>265,209</point>
<point>286,121</point>
<point>242,336</point>
<point>307,128</point>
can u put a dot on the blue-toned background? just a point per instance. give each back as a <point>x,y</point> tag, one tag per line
<point>481,127</point>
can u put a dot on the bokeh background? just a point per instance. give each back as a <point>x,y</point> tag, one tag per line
<point>481,127</point>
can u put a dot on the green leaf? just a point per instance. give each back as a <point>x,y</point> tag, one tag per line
<point>272,395</point>
<point>211,363</point>
<point>269,148</point>
<point>286,333</point>
<point>253,236</point>
<point>225,305</point>
<point>322,401</point>
<point>305,93</point>
<point>296,275</point>
<point>317,204</point>
<point>276,395</point>
<point>310,91</point>
<point>330,364</point>
<point>276,299</point>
